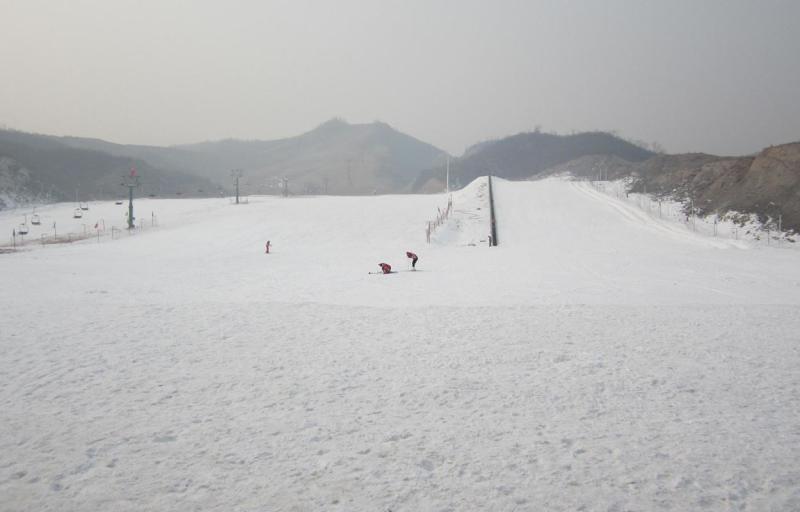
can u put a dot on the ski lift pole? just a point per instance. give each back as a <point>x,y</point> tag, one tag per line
<point>131,181</point>
<point>130,207</point>
<point>236,174</point>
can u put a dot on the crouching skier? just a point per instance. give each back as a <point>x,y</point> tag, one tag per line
<point>414,259</point>
<point>385,268</point>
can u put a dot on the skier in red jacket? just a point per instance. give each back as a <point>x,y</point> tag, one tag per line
<point>385,267</point>
<point>414,259</point>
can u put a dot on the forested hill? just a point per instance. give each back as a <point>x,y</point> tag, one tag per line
<point>528,154</point>
<point>40,168</point>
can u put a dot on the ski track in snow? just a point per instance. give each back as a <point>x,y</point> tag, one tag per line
<point>639,217</point>
<point>598,359</point>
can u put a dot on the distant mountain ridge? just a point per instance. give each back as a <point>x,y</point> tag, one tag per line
<point>41,168</point>
<point>335,158</point>
<point>528,154</point>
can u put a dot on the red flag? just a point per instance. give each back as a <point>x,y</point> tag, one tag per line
<point>133,171</point>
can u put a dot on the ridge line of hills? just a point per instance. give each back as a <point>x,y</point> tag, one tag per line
<point>337,157</point>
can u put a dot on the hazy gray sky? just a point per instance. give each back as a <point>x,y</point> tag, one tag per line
<point>720,76</point>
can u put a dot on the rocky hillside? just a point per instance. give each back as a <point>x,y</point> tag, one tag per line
<point>767,184</point>
<point>529,154</point>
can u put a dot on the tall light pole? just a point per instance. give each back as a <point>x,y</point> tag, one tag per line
<point>447,176</point>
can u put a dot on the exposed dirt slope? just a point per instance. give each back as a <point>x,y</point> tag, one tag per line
<point>767,184</point>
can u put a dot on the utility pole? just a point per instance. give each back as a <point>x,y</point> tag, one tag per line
<point>131,181</point>
<point>236,174</point>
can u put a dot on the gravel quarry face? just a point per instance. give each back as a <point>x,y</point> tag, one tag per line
<point>598,359</point>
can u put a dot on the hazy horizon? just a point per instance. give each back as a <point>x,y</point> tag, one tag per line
<point>714,76</point>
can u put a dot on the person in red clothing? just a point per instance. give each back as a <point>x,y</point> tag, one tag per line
<point>414,259</point>
<point>385,267</point>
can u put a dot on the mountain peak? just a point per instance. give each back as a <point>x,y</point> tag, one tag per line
<point>332,124</point>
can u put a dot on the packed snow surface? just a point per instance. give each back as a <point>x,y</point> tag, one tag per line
<point>597,359</point>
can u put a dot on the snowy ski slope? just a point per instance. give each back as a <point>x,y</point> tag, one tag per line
<point>598,359</point>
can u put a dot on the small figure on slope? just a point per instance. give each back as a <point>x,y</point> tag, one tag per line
<point>414,259</point>
<point>268,244</point>
<point>385,268</point>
